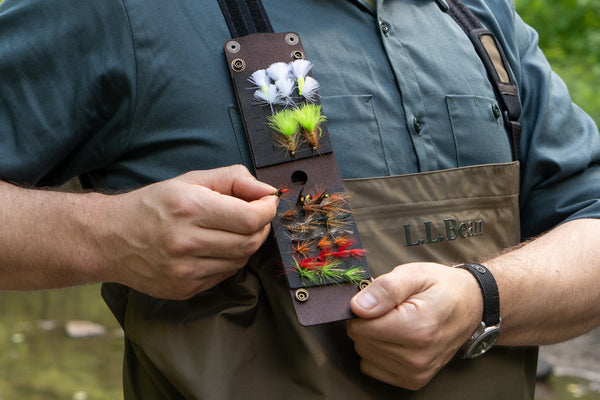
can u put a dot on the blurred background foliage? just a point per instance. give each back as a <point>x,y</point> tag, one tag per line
<point>570,37</point>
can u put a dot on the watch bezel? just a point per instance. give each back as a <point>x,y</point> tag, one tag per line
<point>487,336</point>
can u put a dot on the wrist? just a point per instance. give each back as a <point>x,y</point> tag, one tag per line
<point>92,216</point>
<point>473,301</point>
<point>488,330</point>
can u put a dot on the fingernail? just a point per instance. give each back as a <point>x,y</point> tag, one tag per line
<point>366,300</point>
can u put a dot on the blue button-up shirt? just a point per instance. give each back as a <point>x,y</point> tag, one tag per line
<point>124,93</point>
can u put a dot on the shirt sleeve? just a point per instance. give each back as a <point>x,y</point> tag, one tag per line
<point>560,145</point>
<point>67,87</point>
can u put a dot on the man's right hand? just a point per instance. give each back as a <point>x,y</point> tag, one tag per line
<point>170,240</point>
<point>178,237</point>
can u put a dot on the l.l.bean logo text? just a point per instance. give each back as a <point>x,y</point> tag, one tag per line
<point>451,229</point>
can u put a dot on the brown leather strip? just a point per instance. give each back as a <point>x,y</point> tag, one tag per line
<point>307,172</point>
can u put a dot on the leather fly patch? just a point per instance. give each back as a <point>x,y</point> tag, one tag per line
<point>320,249</point>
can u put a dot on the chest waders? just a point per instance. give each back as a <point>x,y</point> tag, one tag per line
<point>242,340</point>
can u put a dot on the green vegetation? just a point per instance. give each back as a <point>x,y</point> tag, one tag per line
<point>570,37</point>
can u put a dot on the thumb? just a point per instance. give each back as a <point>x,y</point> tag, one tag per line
<point>387,291</point>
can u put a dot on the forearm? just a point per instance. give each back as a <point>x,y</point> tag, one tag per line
<point>46,239</point>
<point>550,287</point>
<point>171,239</point>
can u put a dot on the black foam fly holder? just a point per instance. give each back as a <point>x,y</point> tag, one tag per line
<point>309,175</point>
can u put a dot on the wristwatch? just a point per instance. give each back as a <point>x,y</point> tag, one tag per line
<point>488,332</point>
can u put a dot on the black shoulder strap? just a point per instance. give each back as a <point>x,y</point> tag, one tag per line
<point>496,65</point>
<point>244,17</point>
<point>248,16</point>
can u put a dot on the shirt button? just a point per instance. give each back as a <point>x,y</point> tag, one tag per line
<point>418,126</point>
<point>384,27</point>
<point>496,111</point>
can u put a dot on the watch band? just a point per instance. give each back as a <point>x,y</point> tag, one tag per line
<point>489,290</point>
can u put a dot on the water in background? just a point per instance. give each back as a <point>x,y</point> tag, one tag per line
<point>43,356</point>
<point>60,344</point>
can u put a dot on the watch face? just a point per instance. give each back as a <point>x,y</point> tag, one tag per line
<point>483,343</point>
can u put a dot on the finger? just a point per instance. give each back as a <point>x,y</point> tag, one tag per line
<point>391,327</point>
<point>189,288</point>
<point>214,243</point>
<point>198,269</point>
<point>398,372</point>
<point>389,290</point>
<point>210,282</point>
<point>234,180</point>
<point>222,212</point>
<point>369,368</point>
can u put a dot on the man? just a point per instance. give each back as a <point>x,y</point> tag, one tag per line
<point>128,93</point>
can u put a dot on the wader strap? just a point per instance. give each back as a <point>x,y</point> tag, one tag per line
<point>493,58</point>
<point>245,17</point>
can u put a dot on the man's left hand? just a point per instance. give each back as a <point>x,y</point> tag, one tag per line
<point>413,320</point>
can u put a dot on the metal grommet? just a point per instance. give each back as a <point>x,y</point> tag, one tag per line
<point>363,284</point>
<point>302,295</point>
<point>292,39</point>
<point>233,46</point>
<point>238,65</point>
<point>297,55</point>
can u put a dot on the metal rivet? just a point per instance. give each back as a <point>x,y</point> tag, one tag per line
<point>496,111</point>
<point>292,39</point>
<point>233,46</point>
<point>363,284</point>
<point>302,295</point>
<point>297,55</point>
<point>417,125</point>
<point>238,65</point>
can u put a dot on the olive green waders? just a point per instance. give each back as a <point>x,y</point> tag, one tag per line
<point>241,339</point>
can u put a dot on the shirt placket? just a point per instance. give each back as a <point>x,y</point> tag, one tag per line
<point>396,25</point>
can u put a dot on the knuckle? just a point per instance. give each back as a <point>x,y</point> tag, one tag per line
<point>247,247</point>
<point>419,381</point>
<point>424,337</point>
<point>177,245</point>
<point>351,331</point>
<point>251,224</point>
<point>182,274</point>
<point>421,365</point>
<point>355,331</point>
<point>239,169</point>
<point>236,264</point>
<point>183,206</point>
<point>252,245</point>
<point>385,284</point>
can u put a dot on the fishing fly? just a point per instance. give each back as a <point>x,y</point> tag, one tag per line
<point>310,118</point>
<point>286,125</point>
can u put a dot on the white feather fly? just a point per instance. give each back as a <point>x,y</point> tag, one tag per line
<point>260,79</point>
<point>269,95</point>
<point>300,68</point>
<point>286,88</point>
<point>310,89</point>
<point>279,70</point>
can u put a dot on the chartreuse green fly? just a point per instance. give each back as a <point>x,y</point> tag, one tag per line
<point>285,123</point>
<point>310,118</point>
